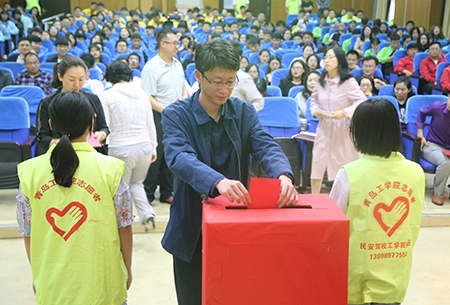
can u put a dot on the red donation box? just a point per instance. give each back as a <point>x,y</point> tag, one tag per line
<point>296,255</point>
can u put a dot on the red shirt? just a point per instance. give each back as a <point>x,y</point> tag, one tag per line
<point>445,79</point>
<point>406,63</point>
<point>428,69</point>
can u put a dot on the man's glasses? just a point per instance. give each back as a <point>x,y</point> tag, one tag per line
<point>219,85</point>
<point>175,43</point>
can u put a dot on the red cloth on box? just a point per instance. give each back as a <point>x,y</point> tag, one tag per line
<point>275,256</point>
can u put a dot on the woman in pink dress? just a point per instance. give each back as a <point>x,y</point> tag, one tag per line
<point>334,99</point>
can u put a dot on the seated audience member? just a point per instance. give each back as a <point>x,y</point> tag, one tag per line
<point>121,47</point>
<point>296,37</point>
<point>435,143</point>
<point>36,46</point>
<point>445,79</point>
<point>405,40</point>
<point>36,32</point>
<point>403,91</point>
<point>424,42</point>
<point>305,94</point>
<point>252,70</point>
<point>254,44</point>
<point>414,33</point>
<point>406,64</point>
<point>352,60</point>
<point>264,56</point>
<point>274,63</point>
<point>331,16</point>
<point>246,89</point>
<point>375,133</point>
<point>261,85</point>
<point>369,67</point>
<point>280,26</point>
<point>62,47</point>
<point>95,85</point>
<point>192,45</point>
<point>5,79</point>
<point>350,16</point>
<point>307,50</point>
<point>244,63</point>
<point>134,61</point>
<point>276,42</point>
<point>342,29</point>
<point>313,62</point>
<point>428,66</point>
<point>24,46</point>
<point>367,86</point>
<point>307,39</point>
<point>96,51</point>
<point>297,71</point>
<point>34,76</point>
<point>303,19</point>
<point>267,36</point>
<point>366,35</point>
<point>373,51</point>
<point>137,45</point>
<point>317,31</point>
<point>386,55</point>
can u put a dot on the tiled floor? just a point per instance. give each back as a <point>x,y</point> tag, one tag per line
<point>152,266</point>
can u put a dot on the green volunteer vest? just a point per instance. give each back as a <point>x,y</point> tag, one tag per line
<point>385,210</point>
<point>33,3</point>
<point>293,6</point>
<point>75,245</point>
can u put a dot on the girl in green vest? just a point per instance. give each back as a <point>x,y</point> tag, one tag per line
<point>382,194</point>
<point>75,213</point>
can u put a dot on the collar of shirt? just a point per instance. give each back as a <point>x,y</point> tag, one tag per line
<point>334,80</point>
<point>27,74</point>
<point>202,117</point>
<point>162,63</point>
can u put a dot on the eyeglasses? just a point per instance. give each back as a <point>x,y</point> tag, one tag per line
<point>366,85</point>
<point>219,85</point>
<point>329,57</point>
<point>175,43</point>
<point>34,63</point>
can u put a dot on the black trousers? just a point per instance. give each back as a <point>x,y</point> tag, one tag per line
<point>159,173</point>
<point>188,278</point>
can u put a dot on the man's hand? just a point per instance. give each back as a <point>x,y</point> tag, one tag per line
<point>378,83</point>
<point>288,194</point>
<point>338,114</point>
<point>367,93</point>
<point>407,73</point>
<point>100,136</point>
<point>234,190</point>
<point>423,143</point>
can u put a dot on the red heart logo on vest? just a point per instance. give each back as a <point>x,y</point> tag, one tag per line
<point>77,211</point>
<point>397,211</point>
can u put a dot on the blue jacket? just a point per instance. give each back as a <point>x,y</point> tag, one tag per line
<point>187,141</point>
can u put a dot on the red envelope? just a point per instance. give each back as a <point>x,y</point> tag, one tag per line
<point>91,139</point>
<point>286,256</point>
<point>446,152</point>
<point>264,193</point>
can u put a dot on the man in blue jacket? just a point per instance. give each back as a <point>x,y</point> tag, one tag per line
<point>207,141</point>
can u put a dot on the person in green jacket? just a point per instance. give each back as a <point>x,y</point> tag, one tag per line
<point>317,31</point>
<point>331,16</point>
<point>350,16</point>
<point>386,55</point>
<point>373,51</point>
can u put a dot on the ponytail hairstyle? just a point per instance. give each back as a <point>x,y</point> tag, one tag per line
<point>70,115</point>
<point>63,66</point>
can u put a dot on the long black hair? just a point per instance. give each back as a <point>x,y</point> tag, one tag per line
<point>71,114</point>
<point>305,92</point>
<point>343,72</point>
<point>62,67</point>
<point>305,70</point>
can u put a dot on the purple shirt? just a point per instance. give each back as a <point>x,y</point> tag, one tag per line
<point>439,131</point>
<point>42,80</point>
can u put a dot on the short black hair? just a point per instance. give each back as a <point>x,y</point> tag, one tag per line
<point>375,128</point>
<point>350,10</point>
<point>412,45</point>
<point>431,44</point>
<point>395,36</point>
<point>216,53</point>
<point>162,34</point>
<point>30,54</point>
<point>34,38</point>
<point>134,54</point>
<point>136,36</point>
<point>308,33</point>
<point>36,29</point>
<point>253,40</point>
<point>367,58</point>
<point>410,21</point>
<point>23,39</point>
<point>88,59</point>
<point>277,36</point>
<point>118,71</point>
<point>121,40</point>
<point>353,52</point>
<point>64,41</point>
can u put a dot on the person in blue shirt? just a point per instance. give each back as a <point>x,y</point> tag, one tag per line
<point>208,139</point>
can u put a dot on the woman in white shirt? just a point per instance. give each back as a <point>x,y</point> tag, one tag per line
<point>365,35</point>
<point>132,139</point>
